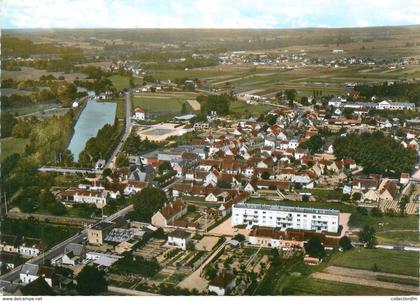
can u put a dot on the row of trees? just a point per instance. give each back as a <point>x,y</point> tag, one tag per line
<point>100,146</point>
<point>376,152</point>
<point>218,103</point>
<point>404,90</point>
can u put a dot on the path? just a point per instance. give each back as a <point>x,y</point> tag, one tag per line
<point>363,277</point>
<point>195,280</point>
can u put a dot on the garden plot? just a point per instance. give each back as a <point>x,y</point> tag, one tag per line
<point>152,249</point>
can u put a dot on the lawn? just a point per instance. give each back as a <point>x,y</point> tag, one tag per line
<point>120,108</point>
<point>313,286</point>
<point>402,237</point>
<point>160,104</point>
<point>385,223</point>
<point>123,82</point>
<point>12,145</point>
<point>242,108</point>
<point>388,261</point>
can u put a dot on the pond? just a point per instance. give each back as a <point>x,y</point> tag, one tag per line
<point>93,117</point>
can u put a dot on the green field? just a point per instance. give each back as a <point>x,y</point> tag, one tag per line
<point>388,261</point>
<point>402,237</point>
<point>12,145</point>
<point>123,82</point>
<point>120,108</point>
<point>313,286</point>
<point>162,104</point>
<point>241,108</point>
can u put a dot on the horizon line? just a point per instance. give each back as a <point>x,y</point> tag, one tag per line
<point>206,28</point>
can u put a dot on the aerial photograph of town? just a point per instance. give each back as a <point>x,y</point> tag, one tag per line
<point>210,148</point>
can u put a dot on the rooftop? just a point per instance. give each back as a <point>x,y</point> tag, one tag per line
<point>286,208</point>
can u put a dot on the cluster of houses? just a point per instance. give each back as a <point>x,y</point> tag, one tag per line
<point>341,102</point>
<point>15,249</point>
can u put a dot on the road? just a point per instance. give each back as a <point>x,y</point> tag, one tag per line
<point>59,248</point>
<point>195,280</point>
<point>127,131</point>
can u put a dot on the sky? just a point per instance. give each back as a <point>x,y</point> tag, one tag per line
<point>207,13</point>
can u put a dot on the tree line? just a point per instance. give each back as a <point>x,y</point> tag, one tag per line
<point>376,152</point>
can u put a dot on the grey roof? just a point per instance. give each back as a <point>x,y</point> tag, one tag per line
<point>76,249</point>
<point>30,269</point>
<point>287,208</point>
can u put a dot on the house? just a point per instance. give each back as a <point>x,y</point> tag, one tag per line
<point>139,114</point>
<point>169,213</point>
<point>364,184</point>
<point>133,187</point>
<point>30,247</point>
<point>179,239</point>
<point>30,272</point>
<point>73,254</point>
<point>222,284</point>
<point>8,243</point>
<point>38,287</point>
<point>404,178</point>
<point>390,105</point>
<point>8,260</point>
<point>102,259</point>
<point>98,232</point>
<point>387,190</point>
<point>84,196</point>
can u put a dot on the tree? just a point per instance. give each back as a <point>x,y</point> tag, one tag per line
<point>376,212</point>
<point>146,203</point>
<point>164,167</point>
<point>239,237</point>
<point>402,204</point>
<point>313,144</point>
<point>367,236</point>
<point>356,196</point>
<point>314,248</point>
<point>304,101</point>
<point>121,160</point>
<point>184,109</point>
<point>106,172</point>
<point>291,94</point>
<point>191,208</point>
<point>265,175</point>
<point>7,123</point>
<point>91,281</point>
<point>345,243</point>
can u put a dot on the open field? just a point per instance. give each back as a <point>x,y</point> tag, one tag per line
<point>388,261</point>
<point>402,237</point>
<point>12,145</point>
<point>313,286</point>
<point>123,82</point>
<point>27,73</point>
<point>169,104</point>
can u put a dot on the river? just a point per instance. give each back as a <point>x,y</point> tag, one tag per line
<point>93,117</point>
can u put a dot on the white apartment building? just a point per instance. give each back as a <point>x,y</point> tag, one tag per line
<point>283,217</point>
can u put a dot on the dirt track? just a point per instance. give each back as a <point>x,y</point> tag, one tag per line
<point>363,277</point>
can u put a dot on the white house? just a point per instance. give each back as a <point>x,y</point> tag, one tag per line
<point>222,284</point>
<point>179,239</point>
<point>139,114</point>
<point>30,272</point>
<point>29,247</point>
<point>390,105</point>
<point>98,198</point>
